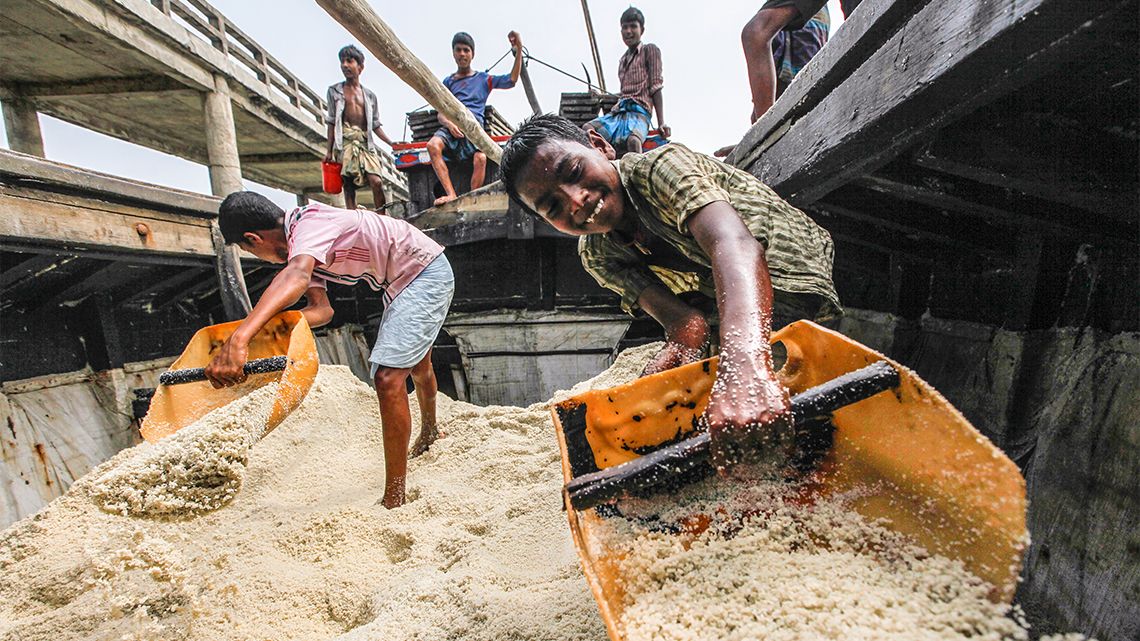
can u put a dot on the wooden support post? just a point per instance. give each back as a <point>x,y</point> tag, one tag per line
<point>225,179</point>
<point>1023,288</point>
<point>22,124</point>
<point>362,22</point>
<point>100,333</point>
<point>909,287</point>
<point>593,46</point>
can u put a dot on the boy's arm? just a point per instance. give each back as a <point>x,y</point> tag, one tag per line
<point>659,106</point>
<point>686,330</point>
<point>516,42</point>
<point>286,288</point>
<point>656,87</point>
<point>748,405</point>
<point>317,311</point>
<point>332,141</point>
<point>379,131</point>
<point>451,126</point>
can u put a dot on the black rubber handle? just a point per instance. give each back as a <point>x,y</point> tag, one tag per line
<point>657,467</point>
<point>195,374</point>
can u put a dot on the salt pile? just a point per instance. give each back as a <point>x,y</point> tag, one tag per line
<point>283,539</point>
<point>786,570</point>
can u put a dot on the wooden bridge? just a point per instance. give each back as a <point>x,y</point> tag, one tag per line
<point>172,75</point>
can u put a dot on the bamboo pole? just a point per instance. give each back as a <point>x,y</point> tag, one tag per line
<point>594,46</point>
<point>531,96</point>
<point>362,22</point>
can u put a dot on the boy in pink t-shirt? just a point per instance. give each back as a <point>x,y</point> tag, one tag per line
<point>318,244</point>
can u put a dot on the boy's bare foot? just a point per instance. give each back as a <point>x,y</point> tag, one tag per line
<point>392,501</point>
<point>724,151</point>
<point>423,443</point>
<point>443,199</point>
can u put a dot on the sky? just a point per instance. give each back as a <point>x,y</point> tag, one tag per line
<point>707,100</point>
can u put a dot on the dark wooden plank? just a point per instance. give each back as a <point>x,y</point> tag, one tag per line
<point>946,61</point>
<point>941,192</point>
<point>179,278</point>
<point>910,232</point>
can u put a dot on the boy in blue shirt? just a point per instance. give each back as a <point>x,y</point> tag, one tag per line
<point>472,89</point>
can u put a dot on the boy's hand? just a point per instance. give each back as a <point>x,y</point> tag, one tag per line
<point>665,130</point>
<point>670,356</point>
<point>749,417</point>
<point>455,130</point>
<point>516,41</point>
<point>225,369</point>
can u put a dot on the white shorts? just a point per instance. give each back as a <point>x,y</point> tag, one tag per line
<point>411,322</point>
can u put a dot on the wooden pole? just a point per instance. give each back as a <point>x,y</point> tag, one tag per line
<point>362,22</point>
<point>531,97</point>
<point>594,46</point>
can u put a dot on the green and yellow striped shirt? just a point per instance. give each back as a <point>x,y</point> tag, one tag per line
<point>671,183</point>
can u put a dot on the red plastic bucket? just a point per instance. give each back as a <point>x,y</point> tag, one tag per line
<point>330,177</point>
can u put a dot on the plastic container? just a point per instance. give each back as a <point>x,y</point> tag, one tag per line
<point>330,177</point>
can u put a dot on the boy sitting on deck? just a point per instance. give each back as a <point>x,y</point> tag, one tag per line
<point>353,113</point>
<point>318,244</point>
<point>472,89</point>
<point>639,72</point>
<point>672,221</point>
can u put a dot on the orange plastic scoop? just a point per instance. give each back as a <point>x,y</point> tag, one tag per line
<point>905,455</point>
<point>286,334</point>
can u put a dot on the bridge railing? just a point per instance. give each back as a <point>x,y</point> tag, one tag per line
<point>209,23</point>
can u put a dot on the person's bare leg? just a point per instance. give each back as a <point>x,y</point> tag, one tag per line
<point>757,40</point>
<point>349,193</point>
<point>435,153</point>
<point>377,184</point>
<point>396,419</point>
<point>426,388</point>
<point>633,144</point>
<point>478,169</point>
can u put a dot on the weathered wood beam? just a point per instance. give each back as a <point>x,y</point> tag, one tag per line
<point>361,21</point>
<point>44,219</point>
<point>947,60</point>
<point>41,173</point>
<point>463,232</point>
<point>100,280</point>
<point>183,277</point>
<point>95,87</point>
<point>30,268</point>
<point>69,250</point>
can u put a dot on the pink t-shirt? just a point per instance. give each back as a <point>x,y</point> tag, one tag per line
<point>354,246</point>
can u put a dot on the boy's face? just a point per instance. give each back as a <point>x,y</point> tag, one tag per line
<point>574,187</point>
<point>463,55</point>
<point>631,33</point>
<point>350,68</point>
<point>265,247</point>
